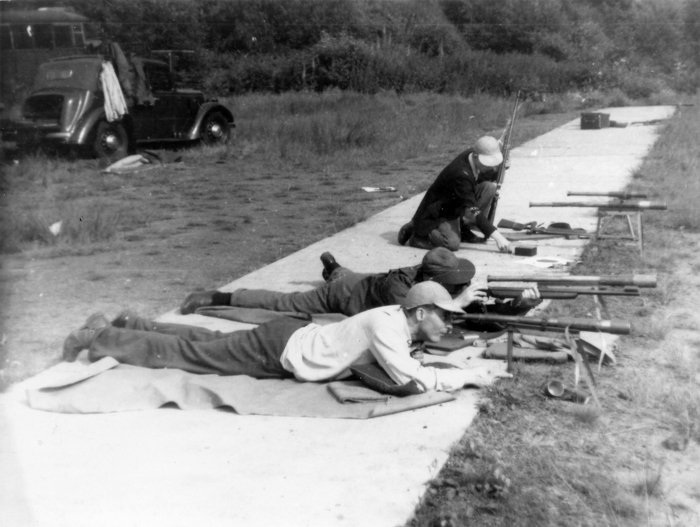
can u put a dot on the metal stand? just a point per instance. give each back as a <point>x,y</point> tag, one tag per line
<point>510,330</point>
<point>632,218</point>
<point>584,357</point>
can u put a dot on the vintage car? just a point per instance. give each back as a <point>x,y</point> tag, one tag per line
<point>65,108</point>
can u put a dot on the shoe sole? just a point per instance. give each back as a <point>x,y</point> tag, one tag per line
<point>95,321</point>
<point>72,346</point>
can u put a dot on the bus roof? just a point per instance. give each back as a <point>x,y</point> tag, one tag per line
<point>40,16</point>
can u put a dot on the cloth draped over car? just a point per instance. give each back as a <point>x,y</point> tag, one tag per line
<point>130,74</point>
<point>115,104</point>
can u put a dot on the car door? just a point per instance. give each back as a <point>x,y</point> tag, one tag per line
<point>163,120</point>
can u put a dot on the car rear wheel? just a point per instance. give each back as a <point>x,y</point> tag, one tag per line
<point>215,130</point>
<point>111,141</point>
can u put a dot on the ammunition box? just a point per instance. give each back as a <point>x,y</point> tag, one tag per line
<point>526,250</point>
<point>594,121</point>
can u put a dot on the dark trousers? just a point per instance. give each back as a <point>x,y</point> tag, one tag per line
<point>448,233</point>
<point>255,352</point>
<point>331,297</point>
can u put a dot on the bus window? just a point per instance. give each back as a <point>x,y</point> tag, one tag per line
<point>5,37</point>
<point>78,35</point>
<point>43,39</point>
<point>22,36</point>
<point>62,36</point>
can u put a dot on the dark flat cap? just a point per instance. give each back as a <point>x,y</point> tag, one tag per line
<point>442,266</point>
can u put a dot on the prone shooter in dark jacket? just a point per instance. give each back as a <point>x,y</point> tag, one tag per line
<point>349,293</point>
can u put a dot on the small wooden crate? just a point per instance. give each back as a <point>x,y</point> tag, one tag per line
<point>594,121</point>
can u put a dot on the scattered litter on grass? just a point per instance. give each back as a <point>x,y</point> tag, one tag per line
<point>144,161</point>
<point>379,189</point>
<point>676,442</point>
<point>557,389</point>
<point>135,163</point>
<point>55,228</point>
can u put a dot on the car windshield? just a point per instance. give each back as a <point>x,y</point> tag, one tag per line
<point>81,74</point>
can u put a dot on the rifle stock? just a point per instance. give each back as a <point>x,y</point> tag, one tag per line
<point>615,327</point>
<point>502,168</point>
<point>637,280</point>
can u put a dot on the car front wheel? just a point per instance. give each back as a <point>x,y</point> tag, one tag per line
<point>215,130</point>
<point>111,141</point>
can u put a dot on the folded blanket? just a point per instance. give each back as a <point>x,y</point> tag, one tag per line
<point>355,392</point>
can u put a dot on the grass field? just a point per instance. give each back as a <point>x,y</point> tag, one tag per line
<point>292,177</point>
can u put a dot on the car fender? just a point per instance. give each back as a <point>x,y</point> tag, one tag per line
<point>84,134</point>
<point>204,110</point>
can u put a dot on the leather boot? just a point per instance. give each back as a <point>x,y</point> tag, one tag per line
<point>81,338</point>
<point>329,265</point>
<point>405,233</point>
<point>123,318</point>
<point>204,299</point>
<point>76,342</point>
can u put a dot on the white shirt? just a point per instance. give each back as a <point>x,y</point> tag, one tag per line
<point>320,353</point>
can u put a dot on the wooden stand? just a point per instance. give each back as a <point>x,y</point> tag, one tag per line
<point>633,218</point>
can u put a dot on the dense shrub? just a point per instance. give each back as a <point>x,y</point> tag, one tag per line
<point>348,63</point>
<point>456,46</point>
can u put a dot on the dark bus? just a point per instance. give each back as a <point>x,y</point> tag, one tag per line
<point>31,37</point>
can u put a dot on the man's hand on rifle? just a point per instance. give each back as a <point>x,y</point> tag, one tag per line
<point>529,298</point>
<point>472,293</point>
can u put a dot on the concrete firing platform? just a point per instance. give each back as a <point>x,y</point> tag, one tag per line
<point>174,468</point>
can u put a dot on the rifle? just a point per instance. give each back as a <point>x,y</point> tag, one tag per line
<point>502,168</point>
<point>618,195</point>
<point>565,287</point>
<point>532,228</point>
<point>628,205</point>
<point>543,323</point>
<point>637,280</point>
<point>571,325</point>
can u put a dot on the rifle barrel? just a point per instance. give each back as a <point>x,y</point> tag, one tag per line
<point>615,327</point>
<point>638,280</point>
<point>628,205</point>
<point>502,169</point>
<point>619,195</point>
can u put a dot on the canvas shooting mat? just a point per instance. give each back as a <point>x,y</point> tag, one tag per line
<point>107,386</point>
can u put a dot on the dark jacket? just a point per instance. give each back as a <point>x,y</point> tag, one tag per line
<point>383,289</point>
<point>386,289</point>
<point>449,197</point>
